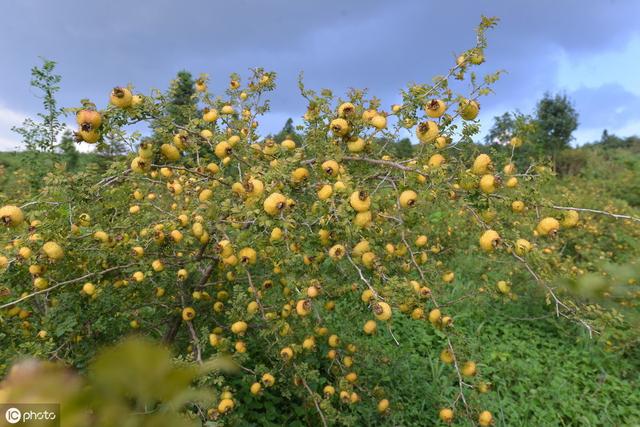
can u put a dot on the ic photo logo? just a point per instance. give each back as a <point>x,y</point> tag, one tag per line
<point>30,414</point>
<point>13,415</point>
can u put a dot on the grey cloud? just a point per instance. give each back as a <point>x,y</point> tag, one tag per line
<point>376,44</point>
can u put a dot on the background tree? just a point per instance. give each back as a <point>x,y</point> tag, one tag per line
<point>288,131</point>
<point>403,148</point>
<point>556,119</point>
<point>503,129</point>
<point>68,148</point>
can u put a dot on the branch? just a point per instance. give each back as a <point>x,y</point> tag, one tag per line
<point>596,211</point>
<point>57,285</point>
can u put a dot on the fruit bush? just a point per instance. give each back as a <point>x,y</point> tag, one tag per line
<point>294,259</point>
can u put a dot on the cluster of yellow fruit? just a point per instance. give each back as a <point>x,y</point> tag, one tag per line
<point>270,244</point>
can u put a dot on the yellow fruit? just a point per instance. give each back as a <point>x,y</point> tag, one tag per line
<point>570,219</point>
<point>188,313</point>
<point>346,109</point>
<point>205,195</point>
<point>435,108</point>
<point>53,251</point>
<point>363,219</point>
<point>383,406</point>
<point>121,97</point>
<point>482,165</point>
<point>40,283</point>
<point>370,327</point>
<point>488,183</point>
<point>227,110</point>
<point>489,240</point>
<point>504,287</point>
<point>435,315</point>
<point>333,341</point>
<point>509,169</point>
<point>24,252</point>
<point>382,310</point>
<point>446,356</point>
<point>247,256</point>
<point>210,115</point>
<point>288,144</point>
<point>469,109</point>
<point>421,240</point>
<point>515,142</point>
<point>368,258</point>
<point>522,247</point>
<point>299,175</point>
<point>256,388</point>
<point>331,167</point>
<point>360,248</point>
<point>351,377</point>
<point>446,415</point>
<point>88,119</point>
<point>88,288</point>
<point>408,198</point>
<point>469,369</point>
<point>268,380</point>
<point>329,391</point>
<point>286,353</point>
<point>427,131</point>
<point>517,206</point>
<point>303,307</point>
<point>276,234</point>
<point>360,201</point>
<point>225,406</point>
<point>157,265</point>
<point>239,328</point>
<point>170,152</point>
<point>274,204</point>
<point>379,121</point>
<point>436,161</point>
<point>223,150</point>
<point>548,227</point>
<point>356,145</point>
<point>183,274</point>
<point>442,141</point>
<point>512,182</point>
<point>11,216</point>
<point>339,127</point>
<point>325,192</point>
<point>309,343</point>
<point>140,165</point>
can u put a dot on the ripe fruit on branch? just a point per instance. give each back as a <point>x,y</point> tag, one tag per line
<point>489,240</point>
<point>53,251</point>
<point>435,108</point>
<point>381,310</point>
<point>485,419</point>
<point>121,97</point>
<point>11,216</point>
<point>275,203</point>
<point>427,131</point>
<point>548,227</point>
<point>360,201</point>
<point>339,127</point>
<point>408,198</point>
<point>469,109</point>
<point>571,218</point>
<point>482,165</point>
<point>88,120</point>
<point>188,313</point>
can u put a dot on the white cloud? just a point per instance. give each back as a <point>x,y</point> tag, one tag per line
<point>9,140</point>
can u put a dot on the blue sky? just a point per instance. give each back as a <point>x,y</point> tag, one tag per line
<point>589,50</point>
